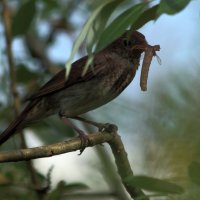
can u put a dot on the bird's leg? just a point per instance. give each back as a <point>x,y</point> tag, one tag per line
<point>102,127</point>
<point>83,137</point>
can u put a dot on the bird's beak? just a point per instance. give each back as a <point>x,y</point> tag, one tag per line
<point>144,47</point>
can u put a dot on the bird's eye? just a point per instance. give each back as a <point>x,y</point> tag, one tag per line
<point>127,43</point>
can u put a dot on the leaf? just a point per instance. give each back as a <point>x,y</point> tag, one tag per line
<point>96,30</point>
<point>172,7</point>
<point>100,23</point>
<point>153,184</point>
<point>83,34</point>
<point>119,25</point>
<point>88,64</point>
<point>147,15</point>
<point>194,172</point>
<point>23,18</point>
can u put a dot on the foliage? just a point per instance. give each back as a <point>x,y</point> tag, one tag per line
<point>172,119</point>
<point>153,184</point>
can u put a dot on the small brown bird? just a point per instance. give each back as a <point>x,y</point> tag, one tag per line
<point>112,71</point>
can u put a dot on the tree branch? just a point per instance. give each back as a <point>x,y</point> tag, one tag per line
<point>123,166</point>
<point>108,168</point>
<point>53,149</point>
<point>112,138</point>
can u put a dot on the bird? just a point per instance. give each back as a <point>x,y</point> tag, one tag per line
<point>112,70</point>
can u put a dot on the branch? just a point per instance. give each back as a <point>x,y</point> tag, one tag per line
<point>108,168</point>
<point>112,138</point>
<point>53,149</point>
<point>123,166</point>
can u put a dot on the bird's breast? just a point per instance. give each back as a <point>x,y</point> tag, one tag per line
<point>123,77</point>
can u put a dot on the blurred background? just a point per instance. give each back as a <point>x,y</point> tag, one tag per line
<point>159,128</point>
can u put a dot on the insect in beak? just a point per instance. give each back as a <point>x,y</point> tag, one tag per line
<point>149,52</point>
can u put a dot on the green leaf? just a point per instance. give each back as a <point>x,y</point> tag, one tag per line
<point>172,7</point>
<point>100,23</point>
<point>194,172</point>
<point>83,34</point>
<point>88,64</point>
<point>153,184</point>
<point>23,18</point>
<point>97,28</point>
<point>119,25</point>
<point>147,15</point>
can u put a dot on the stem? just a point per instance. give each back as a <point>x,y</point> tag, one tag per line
<point>8,37</point>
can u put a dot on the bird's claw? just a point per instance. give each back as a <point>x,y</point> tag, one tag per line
<point>108,128</point>
<point>84,141</point>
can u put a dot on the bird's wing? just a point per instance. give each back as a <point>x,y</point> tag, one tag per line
<point>59,81</point>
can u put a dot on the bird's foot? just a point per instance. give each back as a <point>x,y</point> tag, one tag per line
<point>101,126</point>
<point>84,140</point>
<point>83,137</point>
<point>108,128</point>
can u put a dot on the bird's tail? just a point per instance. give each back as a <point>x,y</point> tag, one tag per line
<point>15,125</point>
<point>12,128</point>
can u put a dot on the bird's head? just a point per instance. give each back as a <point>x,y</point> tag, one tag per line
<point>133,42</point>
<point>130,44</point>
